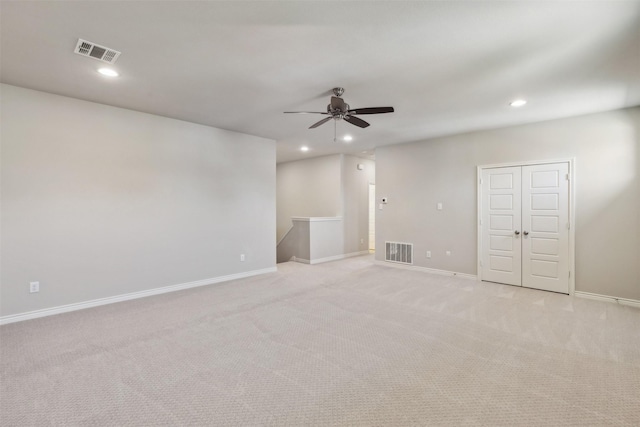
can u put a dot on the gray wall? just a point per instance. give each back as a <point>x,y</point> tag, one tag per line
<point>307,188</point>
<point>296,243</point>
<point>417,176</point>
<point>100,201</point>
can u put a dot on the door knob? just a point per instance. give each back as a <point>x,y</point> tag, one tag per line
<point>526,233</point>
<point>516,232</point>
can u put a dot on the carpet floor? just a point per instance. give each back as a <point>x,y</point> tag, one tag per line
<point>342,343</point>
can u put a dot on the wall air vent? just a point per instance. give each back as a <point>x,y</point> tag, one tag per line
<point>399,252</point>
<point>96,51</point>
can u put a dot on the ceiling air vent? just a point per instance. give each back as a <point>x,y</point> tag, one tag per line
<point>96,51</point>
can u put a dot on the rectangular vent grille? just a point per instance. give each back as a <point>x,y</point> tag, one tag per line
<point>399,252</point>
<point>96,51</point>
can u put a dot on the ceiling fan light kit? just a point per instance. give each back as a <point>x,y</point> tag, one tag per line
<point>340,110</point>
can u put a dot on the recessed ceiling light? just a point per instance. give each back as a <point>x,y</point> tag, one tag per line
<point>348,138</point>
<point>518,103</point>
<point>304,148</point>
<point>108,72</point>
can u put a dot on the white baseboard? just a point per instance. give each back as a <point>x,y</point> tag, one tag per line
<point>126,297</point>
<point>427,270</point>
<point>337,257</point>
<point>302,260</point>
<point>621,301</point>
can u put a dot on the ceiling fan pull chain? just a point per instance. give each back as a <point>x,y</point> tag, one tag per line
<point>335,131</point>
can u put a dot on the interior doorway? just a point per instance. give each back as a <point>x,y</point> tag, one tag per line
<point>525,230</point>
<point>372,217</point>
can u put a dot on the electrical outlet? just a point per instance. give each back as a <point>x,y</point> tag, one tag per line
<point>448,253</point>
<point>428,254</point>
<point>34,287</point>
<point>242,257</point>
<point>439,206</point>
<point>362,241</point>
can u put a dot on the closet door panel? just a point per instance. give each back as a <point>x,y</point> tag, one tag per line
<point>501,219</point>
<point>545,227</point>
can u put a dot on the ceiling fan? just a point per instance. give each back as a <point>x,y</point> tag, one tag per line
<point>338,110</point>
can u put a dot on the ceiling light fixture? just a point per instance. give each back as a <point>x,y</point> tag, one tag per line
<point>304,148</point>
<point>108,72</point>
<point>518,103</point>
<point>348,138</point>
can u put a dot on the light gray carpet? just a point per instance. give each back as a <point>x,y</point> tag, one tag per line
<point>343,343</point>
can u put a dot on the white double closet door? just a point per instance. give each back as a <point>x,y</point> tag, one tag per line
<point>525,226</point>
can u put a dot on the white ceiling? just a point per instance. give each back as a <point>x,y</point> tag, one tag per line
<point>446,66</point>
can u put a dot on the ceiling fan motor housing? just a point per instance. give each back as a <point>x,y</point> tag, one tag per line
<point>339,110</point>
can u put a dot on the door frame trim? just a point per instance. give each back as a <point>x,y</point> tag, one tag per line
<point>572,211</point>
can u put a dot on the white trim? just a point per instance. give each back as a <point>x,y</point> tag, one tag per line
<point>316,218</point>
<point>572,212</point>
<point>598,297</point>
<point>478,220</point>
<point>126,297</point>
<point>337,257</point>
<point>527,163</point>
<point>427,270</point>
<point>308,219</point>
<point>572,222</point>
<point>302,260</point>
<point>371,244</point>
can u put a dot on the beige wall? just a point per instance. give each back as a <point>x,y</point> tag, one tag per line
<point>307,188</point>
<point>100,201</point>
<point>606,146</point>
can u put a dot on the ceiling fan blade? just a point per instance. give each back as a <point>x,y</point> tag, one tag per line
<point>304,112</point>
<point>356,121</point>
<point>321,122</point>
<point>372,110</point>
<point>338,104</point>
